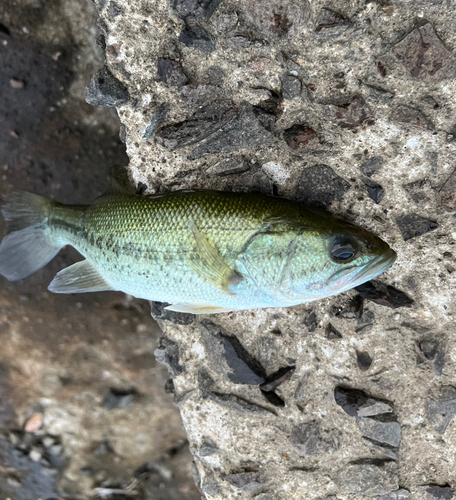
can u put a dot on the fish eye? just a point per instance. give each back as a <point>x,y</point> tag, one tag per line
<point>343,249</point>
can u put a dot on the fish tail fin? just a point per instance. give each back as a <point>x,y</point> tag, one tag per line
<point>30,244</point>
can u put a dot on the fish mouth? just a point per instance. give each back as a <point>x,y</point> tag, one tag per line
<point>374,268</point>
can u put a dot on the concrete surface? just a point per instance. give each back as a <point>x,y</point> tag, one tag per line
<point>343,104</point>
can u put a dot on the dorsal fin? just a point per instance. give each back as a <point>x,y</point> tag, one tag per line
<point>120,183</point>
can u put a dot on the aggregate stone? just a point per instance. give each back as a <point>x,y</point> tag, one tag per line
<point>371,166</point>
<point>301,137</point>
<point>441,410</point>
<point>382,432</point>
<point>448,193</point>
<point>273,398</point>
<point>425,56</point>
<point>291,87</point>
<point>277,378</point>
<point>441,492</point>
<point>229,357</point>
<point>432,351</point>
<point>208,448</point>
<point>306,437</point>
<point>332,332</point>
<point>170,72</point>
<point>348,112</point>
<point>238,404</point>
<point>364,360</point>
<point>245,481</point>
<point>195,36</point>
<point>105,90</point>
<point>411,116</point>
<point>157,119</point>
<point>328,18</point>
<point>198,8</point>
<point>310,321</point>
<point>368,479</point>
<point>395,495</point>
<point>229,166</point>
<point>319,186</point>
<point>167,353</point>
<point>413,225</point>
<point>385,295</point>
<point>375,191</point>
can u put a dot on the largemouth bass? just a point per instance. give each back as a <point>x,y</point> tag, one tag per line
<point>200,251</point>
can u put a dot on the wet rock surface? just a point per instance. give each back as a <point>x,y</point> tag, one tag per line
<point>349,107</point>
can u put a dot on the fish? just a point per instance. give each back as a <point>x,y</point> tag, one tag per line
<point>202,252</point>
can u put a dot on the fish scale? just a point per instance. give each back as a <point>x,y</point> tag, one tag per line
<point>202,251</point>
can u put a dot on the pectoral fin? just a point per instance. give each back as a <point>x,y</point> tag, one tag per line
<point>212,265</point>
<point>197,308</point>
<point>78,278</point>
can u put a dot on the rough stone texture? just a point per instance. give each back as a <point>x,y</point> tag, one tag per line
<point>377,99</point>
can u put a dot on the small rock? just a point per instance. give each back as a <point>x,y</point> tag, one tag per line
<point>306,437</point>
<point>448,193</point>
<point>301,390</point>
<point>432,351</point>
<point>275,18</point>
<point>291,87</point>
<point>159,312</point>
<point>226,22</point>
<point>319,186</point>
<point>201,9</point>
<point>229,166</point>
<point>373,408</point>
<point>368,479</point>
<point>167,353</point>
<point>364,360</point>
<point>351,400</point>
<point>310,320</point>
<point>35,455</point>
<point>385,295</point>
<point>328,18</point>
<point>375,191</point>
<point>361,330</point>
<point>197,95</point>
<point>416,191</point>
<point>34,423</point>
<point>206,121</point>
<point>114,10</point>
<point>442,410</point>
<point>348,113</point>
<point>332,332</point>
<point>425,56</point>
<point>228,356</point>
<point>250,127</point>
<point>440,492</point>
<point>301,137</point>
<point>245,481</point>
<point>170,72</point>
<point>208,448</point>
<point>412,225</point>
<point>277,378</point>
<point>371,166</point>
<point>388,433</point>
<point>367,317</point>
<point>118,398</point>
<point>193,35</point>
<point>411,116</point>
<point>16,84</point>
<point>157,119</point>
<point>105,90</point>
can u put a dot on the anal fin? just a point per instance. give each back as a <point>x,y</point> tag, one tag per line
<point>212,266</point>
<point>79,278</point>
<point>197,308</point>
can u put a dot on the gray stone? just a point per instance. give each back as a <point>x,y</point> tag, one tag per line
<point>371,166</point>
<point>250,127</point>
<point>228,356</point>
<point>167,353</point>
<point>375,191</point>
<point>157,119</point>
<point>208,448</point>
<point>372,408</point>
<point>310,320</point>
<point>291,87</point>
<point>448,193</point>
<point>195,36</point>
<point>425,56</point>
<point>105,90</point>
<point>229,166</point>
<point>364,360</point>
<point>319,186</point>
<point>432,351</point>
<point>245,481</point>
<point>198,8</point>
<point>413,225</point>
<point>238,404</point>
<point>382,432</point>
<point>385,295</point>
<point>170,72</point>
<point>306,437</point>
<point>395,495</point>
<point>440,492</point>
<point>411,116</point>
<point>328,18</point>
<point>348,112</point>
<point>442,410</point>
<point>368,479</point>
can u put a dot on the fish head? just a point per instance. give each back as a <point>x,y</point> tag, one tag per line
<point>335,256</point>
